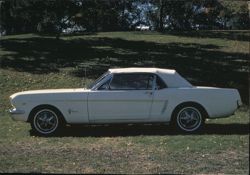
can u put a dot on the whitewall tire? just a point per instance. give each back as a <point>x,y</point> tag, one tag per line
<point>46,121</point>
<point>189,119</point>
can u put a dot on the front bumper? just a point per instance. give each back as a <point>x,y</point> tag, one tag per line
<point>15,111</point>
<point>17,114</point>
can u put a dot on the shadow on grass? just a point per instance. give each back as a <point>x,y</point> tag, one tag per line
<point>147,130</point>
<point>201,64</point>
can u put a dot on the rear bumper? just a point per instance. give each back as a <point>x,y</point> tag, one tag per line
<point>239,104</point>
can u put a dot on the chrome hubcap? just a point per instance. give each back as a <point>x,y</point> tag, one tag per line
<point>189,119</point>
<point>46,121</point>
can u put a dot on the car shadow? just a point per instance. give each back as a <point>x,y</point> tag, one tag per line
<point>146,130</point>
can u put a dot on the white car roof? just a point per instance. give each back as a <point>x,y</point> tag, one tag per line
<point>139,69</point>
<point>170,76</point>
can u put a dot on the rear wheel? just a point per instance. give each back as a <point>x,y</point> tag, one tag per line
<point>189,119</point>
<point>46,121</point>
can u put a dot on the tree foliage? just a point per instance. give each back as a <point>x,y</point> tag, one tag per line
<point>53,16</point>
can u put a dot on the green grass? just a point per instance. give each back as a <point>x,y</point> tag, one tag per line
<point>38,62</point>
<point>134,149</point>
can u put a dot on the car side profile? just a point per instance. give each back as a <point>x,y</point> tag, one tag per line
<point>126,95</point>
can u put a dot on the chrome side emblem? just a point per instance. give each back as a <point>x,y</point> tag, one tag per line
<point>71,111</point>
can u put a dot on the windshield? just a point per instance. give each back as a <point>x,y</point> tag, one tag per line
<point>98,80</point>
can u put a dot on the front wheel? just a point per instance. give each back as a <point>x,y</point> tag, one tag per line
<point>46,121</point>
<point>189,119</point>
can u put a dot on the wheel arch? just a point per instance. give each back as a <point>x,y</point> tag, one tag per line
<point>43,106</point>
<point>190,103</point>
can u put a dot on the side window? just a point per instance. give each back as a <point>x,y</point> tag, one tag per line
<point>135,81</point>
<point>98,80</point>
<point>159,83</point>
<point>105,86</point>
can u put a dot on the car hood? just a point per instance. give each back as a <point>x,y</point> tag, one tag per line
<point>48,91</point>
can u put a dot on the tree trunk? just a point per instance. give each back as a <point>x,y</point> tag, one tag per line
<point>161,16</point>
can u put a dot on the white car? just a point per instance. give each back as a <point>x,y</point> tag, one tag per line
<point>126,95</point>
<point>142,28</point>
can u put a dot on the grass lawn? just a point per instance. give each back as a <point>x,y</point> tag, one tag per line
<point>205,58</point>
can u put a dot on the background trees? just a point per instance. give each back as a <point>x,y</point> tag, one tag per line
<point>53,16</point>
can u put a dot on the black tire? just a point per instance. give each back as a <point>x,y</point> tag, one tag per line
<point>46,121</point>
<point>188,118</point>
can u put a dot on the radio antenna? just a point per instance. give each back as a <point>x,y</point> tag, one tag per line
<point>84,71</point>
<point>85,75</point>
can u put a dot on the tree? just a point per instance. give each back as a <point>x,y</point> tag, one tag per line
<point>29,16</point>
<point>105,15</point>
<point>171,14</point>
<point>52,16</point>
<point>14,17</point>
<point>57,16</point>
<point>235,14</point>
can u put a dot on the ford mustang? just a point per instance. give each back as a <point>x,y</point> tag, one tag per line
<point>126,95</point>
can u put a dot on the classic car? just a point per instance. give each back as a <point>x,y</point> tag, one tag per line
<point>126,95</point>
